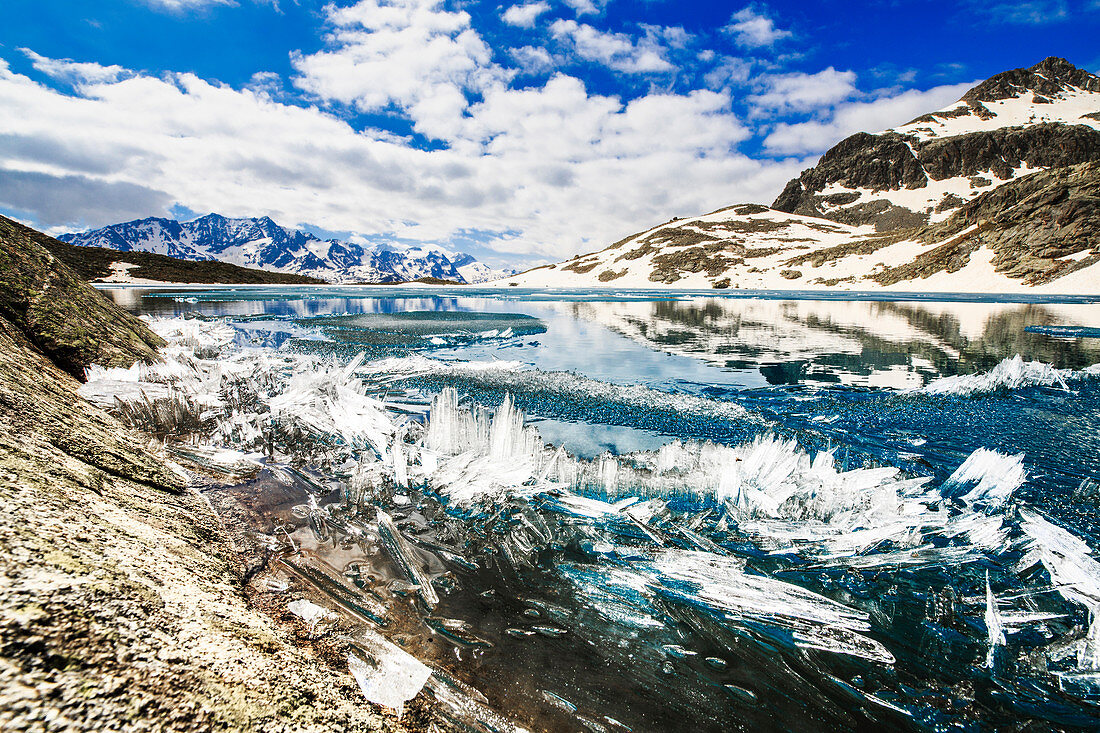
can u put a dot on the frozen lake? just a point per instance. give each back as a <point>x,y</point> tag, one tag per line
<point>777,511</point>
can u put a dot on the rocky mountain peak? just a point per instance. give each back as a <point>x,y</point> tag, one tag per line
<point>1012,124</point>
<point>1049,78</point>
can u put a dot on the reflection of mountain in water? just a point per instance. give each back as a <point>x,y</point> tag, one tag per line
<point>869,343</point>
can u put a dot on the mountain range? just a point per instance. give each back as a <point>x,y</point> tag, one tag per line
<point>261,243</point>
<point>999,192</point>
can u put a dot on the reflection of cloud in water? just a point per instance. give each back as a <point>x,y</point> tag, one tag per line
<point>676,341</point>
<point>894,344</point>
<point>588,440</point>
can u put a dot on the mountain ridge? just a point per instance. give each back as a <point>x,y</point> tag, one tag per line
<point>261,243</point>
<point>996,193</point>
<point>1011,124</point>
<point>100,264</point>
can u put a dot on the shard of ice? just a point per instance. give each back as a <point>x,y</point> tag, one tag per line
<point>405,558</point>
<point>993,476</point>
<point>1073,571</point>
<point>386,673</point>
<point>310,612</point>
<point>1009,374</point>
<point>993,625</point>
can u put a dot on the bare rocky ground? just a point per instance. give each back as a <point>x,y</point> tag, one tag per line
<point>123,602</point>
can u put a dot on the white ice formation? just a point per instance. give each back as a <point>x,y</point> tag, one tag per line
<point>1012,373</point>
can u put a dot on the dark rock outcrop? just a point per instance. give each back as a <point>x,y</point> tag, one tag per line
<point>1032,225</point>
<point>1002,150</point>
<point>1048,78</point>
<point>892,161</point>
<point>58,313</point>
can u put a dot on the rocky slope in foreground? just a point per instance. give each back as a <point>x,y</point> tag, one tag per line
<point>122,602</point>
<point>1039,233</point>
<point>61,317</point>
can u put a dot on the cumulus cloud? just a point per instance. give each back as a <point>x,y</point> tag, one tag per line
<point>532,60</point>
<point>753,29</point>
<point>800,92</point>
<point>525,16</point>
<point>551,170</point>
<point>587,7</point>
<point>673,36</point>
<point>867,116</point>
<point>411,54</point>
<point>617,51</point>
<point>527,157</point>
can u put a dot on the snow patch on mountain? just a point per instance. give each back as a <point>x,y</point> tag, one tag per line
<point>754,247</point>
<point>1072,107</point>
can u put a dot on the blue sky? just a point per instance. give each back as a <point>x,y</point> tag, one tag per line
<point>522,132</point>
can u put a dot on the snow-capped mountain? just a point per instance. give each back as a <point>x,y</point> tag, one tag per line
<point>261,243</point>
<point>1012,124</point>
<point>1039,233</point>
<point>997,193</point>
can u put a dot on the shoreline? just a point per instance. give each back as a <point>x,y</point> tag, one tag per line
<point>604,290</point>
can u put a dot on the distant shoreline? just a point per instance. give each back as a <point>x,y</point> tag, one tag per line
<point>802,294</point>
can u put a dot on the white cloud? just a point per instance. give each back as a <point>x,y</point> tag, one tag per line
<point>411,54</point>
<point>547,170</point>
<point>615,50</point>
<point>587,7</point>
<point>673,36</point>
<point>553,170</point>
<point>754,30</point>
<point>801,92</point>
<point>73,72</point>
<point>728,71</point>
<point>525,16</point>
<point>866,116</point>
<point>532,60</point>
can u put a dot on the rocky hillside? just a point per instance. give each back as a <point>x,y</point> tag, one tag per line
<point>99,264</point>
<point>998,193</point>
<point>58,314</point>
<point>123,601</point>
<point>1040,229</point>
<point>261,243</point>
<point>701,252</point>
<point>1010,125</point>
<point>1037,233</point>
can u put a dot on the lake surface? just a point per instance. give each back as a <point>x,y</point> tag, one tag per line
<point>922,385</point>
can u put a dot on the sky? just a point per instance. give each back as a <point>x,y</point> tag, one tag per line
<point>521,133</point>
